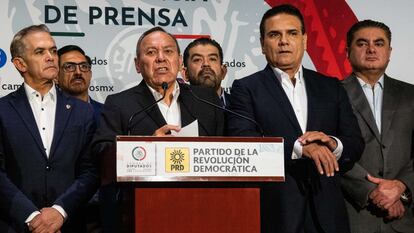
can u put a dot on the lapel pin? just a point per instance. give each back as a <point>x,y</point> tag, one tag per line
<point>68,106</point>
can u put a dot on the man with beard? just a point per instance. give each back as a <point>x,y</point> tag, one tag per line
<point>75,75</point>
<point>203,65</point>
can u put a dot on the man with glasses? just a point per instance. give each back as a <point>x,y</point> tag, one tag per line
<point>47,173</point>
<point>75,75</point>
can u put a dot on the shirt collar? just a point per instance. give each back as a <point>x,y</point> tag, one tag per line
<point>380,82</point>
<point>283,76</point>
<point>32,93</point>
<point>157,95</point>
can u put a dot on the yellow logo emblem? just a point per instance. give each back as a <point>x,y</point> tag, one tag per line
<point>177,159</point>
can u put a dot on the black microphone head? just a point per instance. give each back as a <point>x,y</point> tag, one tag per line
<point>164,85</point>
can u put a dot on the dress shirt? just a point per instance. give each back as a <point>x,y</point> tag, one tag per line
<point>44,111</point>
<point>374,96</point>
<point>223,98</point>
<point>172,113</point>
<point>298,99</point>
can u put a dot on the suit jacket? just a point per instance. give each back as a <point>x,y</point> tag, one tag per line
<point>29,180</point>
<point>97,108</point>
<point>118,108</point>
<point>387,155</point>
<point>261,97</point>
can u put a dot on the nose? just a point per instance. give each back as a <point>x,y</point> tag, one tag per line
<point>160,56</point>
<point>371,48</point>
<point>206,63</point>
<point>283,39</point>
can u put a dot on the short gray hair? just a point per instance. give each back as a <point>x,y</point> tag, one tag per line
<point>17,45</point>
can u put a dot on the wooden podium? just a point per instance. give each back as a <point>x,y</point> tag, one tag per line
<point>213,204</point>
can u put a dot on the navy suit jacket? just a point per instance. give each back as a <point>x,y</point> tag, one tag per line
<point>261,97</point>
<point>97,108</point>
<point>29,180</point>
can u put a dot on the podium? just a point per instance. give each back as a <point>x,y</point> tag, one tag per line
<point>171,196</point>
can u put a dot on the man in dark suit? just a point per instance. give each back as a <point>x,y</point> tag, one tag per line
<point>313,115</point>
<point>48,173</point>
<point>75,75</point>
<point>378,188</point>
<point>158,60</point>
<point>203,65</point>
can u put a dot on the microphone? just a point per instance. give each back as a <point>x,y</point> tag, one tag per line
<point>225,109</point>
<point>164,86</point>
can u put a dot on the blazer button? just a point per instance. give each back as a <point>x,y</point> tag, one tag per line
<point>47,168</point>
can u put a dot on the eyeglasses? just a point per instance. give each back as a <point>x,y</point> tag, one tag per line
<point>71,67</point>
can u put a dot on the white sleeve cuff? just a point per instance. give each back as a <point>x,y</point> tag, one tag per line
<point>61,211</point>
<point>297,150</point>
<point>339,148</point>
<point>31,217</point>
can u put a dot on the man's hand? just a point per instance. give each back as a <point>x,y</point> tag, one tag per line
<point>48,221</point>
<point>396,210</point>
<point>324,159</point>
<point>386,193</point>
<point>166,130</point>
<point>316,136</point>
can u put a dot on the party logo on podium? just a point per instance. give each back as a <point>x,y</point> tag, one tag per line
<point>177,159</point>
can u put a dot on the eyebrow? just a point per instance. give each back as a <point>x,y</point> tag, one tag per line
<point>200,55</point>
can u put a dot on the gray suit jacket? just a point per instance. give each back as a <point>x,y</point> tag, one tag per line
<point>388,154</point>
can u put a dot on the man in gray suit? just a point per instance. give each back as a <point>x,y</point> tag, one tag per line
<point>378,188</point>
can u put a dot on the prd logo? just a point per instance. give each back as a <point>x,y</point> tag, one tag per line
<point>177,159</point>
<point>139,153</point>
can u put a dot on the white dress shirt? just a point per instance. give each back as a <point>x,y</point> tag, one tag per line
<point>172,113</point>
<point>374,96</point>
<point>44,112</point>
<point>299,101</point>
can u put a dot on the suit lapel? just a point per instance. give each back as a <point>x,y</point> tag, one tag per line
<point>64,107</point>
<point>391,99</point>
<point>186,103</point>
<point>21,104</point>
<point>360,104</point>
<point>275,89</point>
<point>145,99</point>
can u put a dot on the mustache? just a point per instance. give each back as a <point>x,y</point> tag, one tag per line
<point>207,70</point>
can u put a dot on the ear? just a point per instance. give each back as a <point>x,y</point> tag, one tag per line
<point>137,68</point>
<point>347,51</point>
<point>261,44</point>
<point>20,64</point>
<point>184,74</point>
<point>305,41</point>
<point>224,71</point>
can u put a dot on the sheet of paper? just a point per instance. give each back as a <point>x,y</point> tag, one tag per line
<point>190,130</point>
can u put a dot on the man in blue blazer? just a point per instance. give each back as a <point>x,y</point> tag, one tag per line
<point>75,75</point>
<point>47,173</point>
<point>313,115</point>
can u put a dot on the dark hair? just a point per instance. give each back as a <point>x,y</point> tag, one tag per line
<point>366,24</point>
<point>281,9</point>
<point>70,48</point>
<point>202,41</point>
<point>155,29</point>
<point>17,45</point>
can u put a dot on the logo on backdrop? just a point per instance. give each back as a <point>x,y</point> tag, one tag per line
<point>177,159</point>
<point>3,58</point>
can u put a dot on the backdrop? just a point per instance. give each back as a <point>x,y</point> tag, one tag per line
<point>108,32</point>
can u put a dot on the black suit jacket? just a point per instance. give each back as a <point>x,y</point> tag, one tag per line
<point>29,180</point>
<point>118,108</point>
<point>261,97</point>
